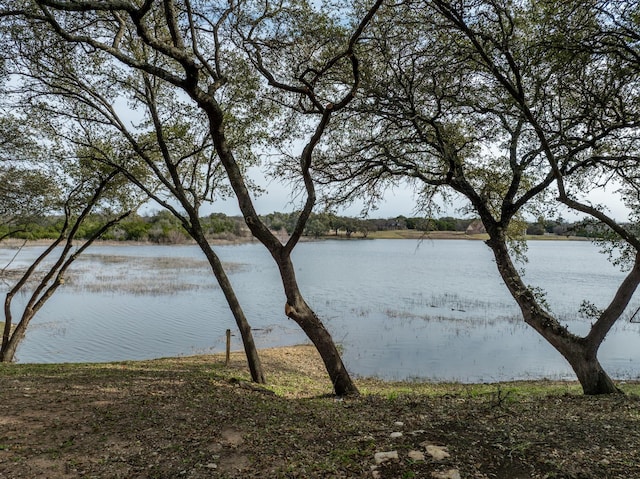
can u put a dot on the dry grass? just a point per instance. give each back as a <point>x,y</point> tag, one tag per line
<point>421,235</point>
<point>435,235</point>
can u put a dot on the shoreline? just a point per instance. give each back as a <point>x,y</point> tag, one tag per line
<point>276,361</point>
<point>15,243</point>
<point>308,362</point>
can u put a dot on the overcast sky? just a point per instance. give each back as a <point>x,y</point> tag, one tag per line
<point>397,202</point>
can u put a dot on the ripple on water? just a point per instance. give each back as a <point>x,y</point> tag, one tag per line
<point>400,309</point>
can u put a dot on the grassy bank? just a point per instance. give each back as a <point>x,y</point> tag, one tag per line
<point>195,417</point>
<point>13,326</point>
<point>435,235</point>
<point>13,243</point>
<point>414,234</point>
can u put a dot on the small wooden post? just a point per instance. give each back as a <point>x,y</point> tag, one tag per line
<point>228,347</point>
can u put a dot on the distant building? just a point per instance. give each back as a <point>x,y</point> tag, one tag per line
<point>475,228</point>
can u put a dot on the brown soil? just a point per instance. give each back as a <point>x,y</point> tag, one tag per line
<point>195,418</point>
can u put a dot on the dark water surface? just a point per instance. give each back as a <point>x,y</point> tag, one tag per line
<point>400,308</point>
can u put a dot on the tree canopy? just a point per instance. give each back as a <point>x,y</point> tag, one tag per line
<point>496,103</point>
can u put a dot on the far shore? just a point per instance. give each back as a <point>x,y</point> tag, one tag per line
<point>14,243</point>
<point>2,323</point>
<point>458,235</point>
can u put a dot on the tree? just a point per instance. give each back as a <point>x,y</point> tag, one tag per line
<point>317,80</point>
<point>189,47</point>
<point>31,187</point>
<point>164,156</point>
<point>85,191</point>
<point>25,189</point>
<point>470,98</point>
<point>593,118</point>
<point>316,226</point>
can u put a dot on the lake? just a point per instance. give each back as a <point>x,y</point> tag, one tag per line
<point>400,309</point>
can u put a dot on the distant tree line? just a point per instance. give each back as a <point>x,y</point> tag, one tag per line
<point>161,227</point>
<point>164,228</point>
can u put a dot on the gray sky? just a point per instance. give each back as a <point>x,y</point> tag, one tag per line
<point>399,201</point>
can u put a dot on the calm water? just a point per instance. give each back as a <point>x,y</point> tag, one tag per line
<point>400,308</point>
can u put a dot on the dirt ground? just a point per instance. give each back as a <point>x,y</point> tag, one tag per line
<point>195,418</point>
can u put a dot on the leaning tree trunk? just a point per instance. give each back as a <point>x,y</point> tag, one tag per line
<point>304,316</point>
<point>253,359</point>
<point>297,309</point>
<point>54,278</point>
<point>8,350</point>
<point>593,378</point>
<point>581,353</point>
<point>38,299</point>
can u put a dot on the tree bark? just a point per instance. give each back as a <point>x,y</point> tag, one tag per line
<point>297,309</point>
<point>580,353</point>
<point>253,359</point>
<point>8,351</point>
<point>304,316</point>
<point>593,378</point>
